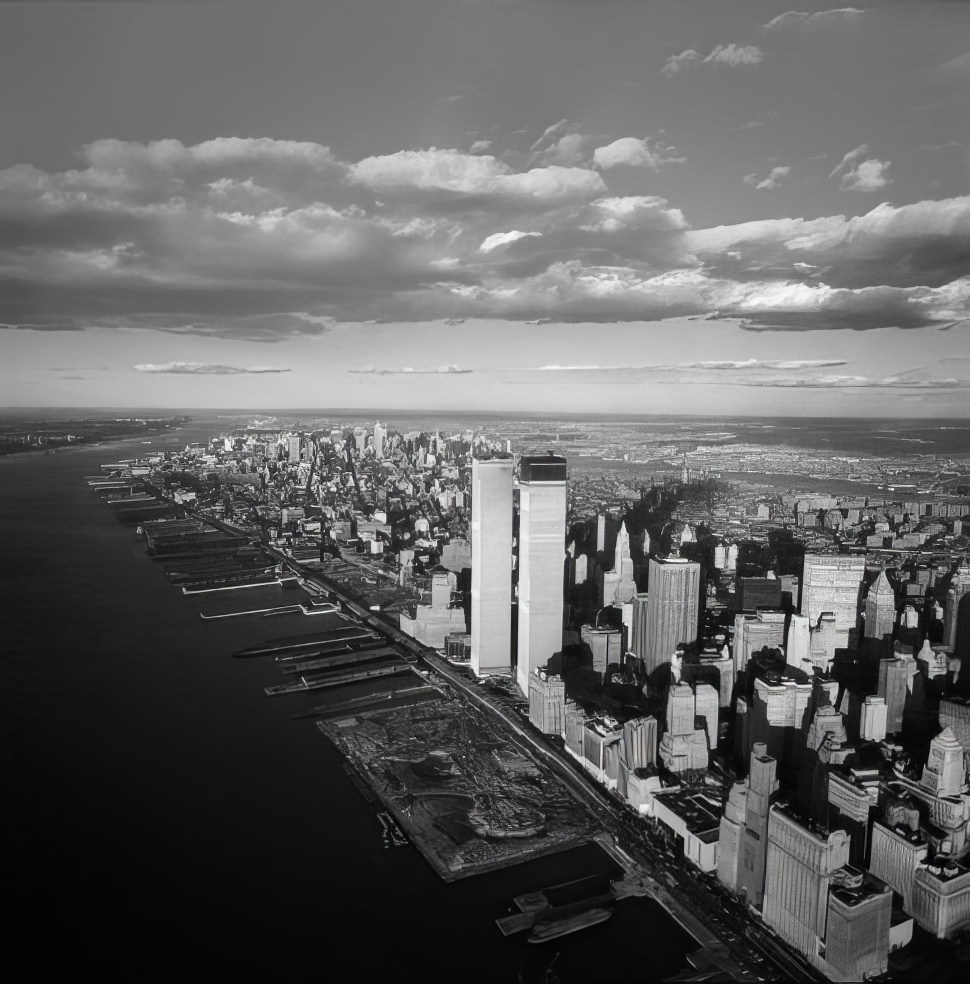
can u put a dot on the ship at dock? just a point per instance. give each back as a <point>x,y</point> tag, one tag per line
<point>552,929</point>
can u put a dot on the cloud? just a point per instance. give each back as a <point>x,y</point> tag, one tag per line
<point>262,240</point>
<point>409,371</point>
<point>792,19</point>
<point>770,182</point>
<point>734,54</point>
<point>503,239</point>
<point>473,175</point>
<point>632,152</point>
<point>679,63</point>
<point>730,55</point>
<point>859,173</point>
<point>709,366</point>
<point>203,369</point>
<point>480,147</point>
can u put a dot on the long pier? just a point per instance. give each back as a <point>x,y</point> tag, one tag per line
<point>302,683</point>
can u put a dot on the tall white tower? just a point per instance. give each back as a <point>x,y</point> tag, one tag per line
<point>542,549</point>
<point>491,535</point>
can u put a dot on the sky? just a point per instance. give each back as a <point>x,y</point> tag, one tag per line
<point>717,207</point>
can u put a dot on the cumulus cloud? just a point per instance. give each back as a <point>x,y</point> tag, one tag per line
<point>771,181</point>
<point>722,54</point>
<point>203,369</point>
<point>480,147</point>
<point>474,175</point>
<point>633,152</point>
<point>858,172</point>
<point>799,18</point>
<point>262,239</point>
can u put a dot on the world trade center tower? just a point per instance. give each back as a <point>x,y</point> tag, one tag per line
<point>491,535</point>
<point>542,548</point>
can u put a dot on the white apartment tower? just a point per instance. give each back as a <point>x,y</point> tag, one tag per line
<point>491,535</point>
<point>542,550</point>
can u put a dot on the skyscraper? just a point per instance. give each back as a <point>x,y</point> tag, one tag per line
<point>799,871</point>
<point>618,584</point>
<point>542,549</point>
<point>491,532</point>
<point>379,434</point>
<point>880,608</point>
<point>959,586</point>
<point>673,608</point>
<point>831,583</point>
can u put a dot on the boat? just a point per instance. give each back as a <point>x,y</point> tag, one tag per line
<point>554,928</point>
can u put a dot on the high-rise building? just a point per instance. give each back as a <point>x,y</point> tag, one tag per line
<point>683,747</point>
<point>547,702</point>
<point>542,550</point>
<point>880,608</point>
<point>959,587</point>
<point>293,448</point>
<point>618,584</point>
<point>491,533</point>
<point>753,632</point>
<point>831,583</point>
<point>605,644</point>
<point>941,897</point>
<point>874,718</point>
<point>857,930</point>
<point>753,841</point>
<point>800,868</point>
<point>673,608</point>
<point>638,633</point>
<point>380,433</point>
<point>894,677</point>
<point>758,592</point>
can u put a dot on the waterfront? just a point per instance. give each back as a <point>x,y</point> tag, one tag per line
<point>164,814</point>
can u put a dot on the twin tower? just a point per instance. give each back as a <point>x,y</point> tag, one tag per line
<point>542,544</point>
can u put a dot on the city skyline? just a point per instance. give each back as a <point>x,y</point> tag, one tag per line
<point>539,206</point>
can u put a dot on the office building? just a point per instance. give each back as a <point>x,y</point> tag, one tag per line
<point>758,592</point>
<point>857,930</point>
<point>880,609</point>
<point>874,719</point>
<point>753,632</point>
<point>673,609</point>
<point>800,867</point>
<point>293,448</point>
<point>683,747</point>
<point>547,702</point>
<point>959,587</point>
<point>542,550</point>
<point>619,587</point>
<point>832,583</point>
<point>894,680</point>
<point>606,645</point>
<point>898,848</point>
<point>638,634</point>
<point>941,897</point>
<point>380,434</point>
<point>491,563</point>
<point>432,624</point>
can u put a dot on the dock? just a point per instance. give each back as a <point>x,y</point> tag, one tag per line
<point>301,684</point>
